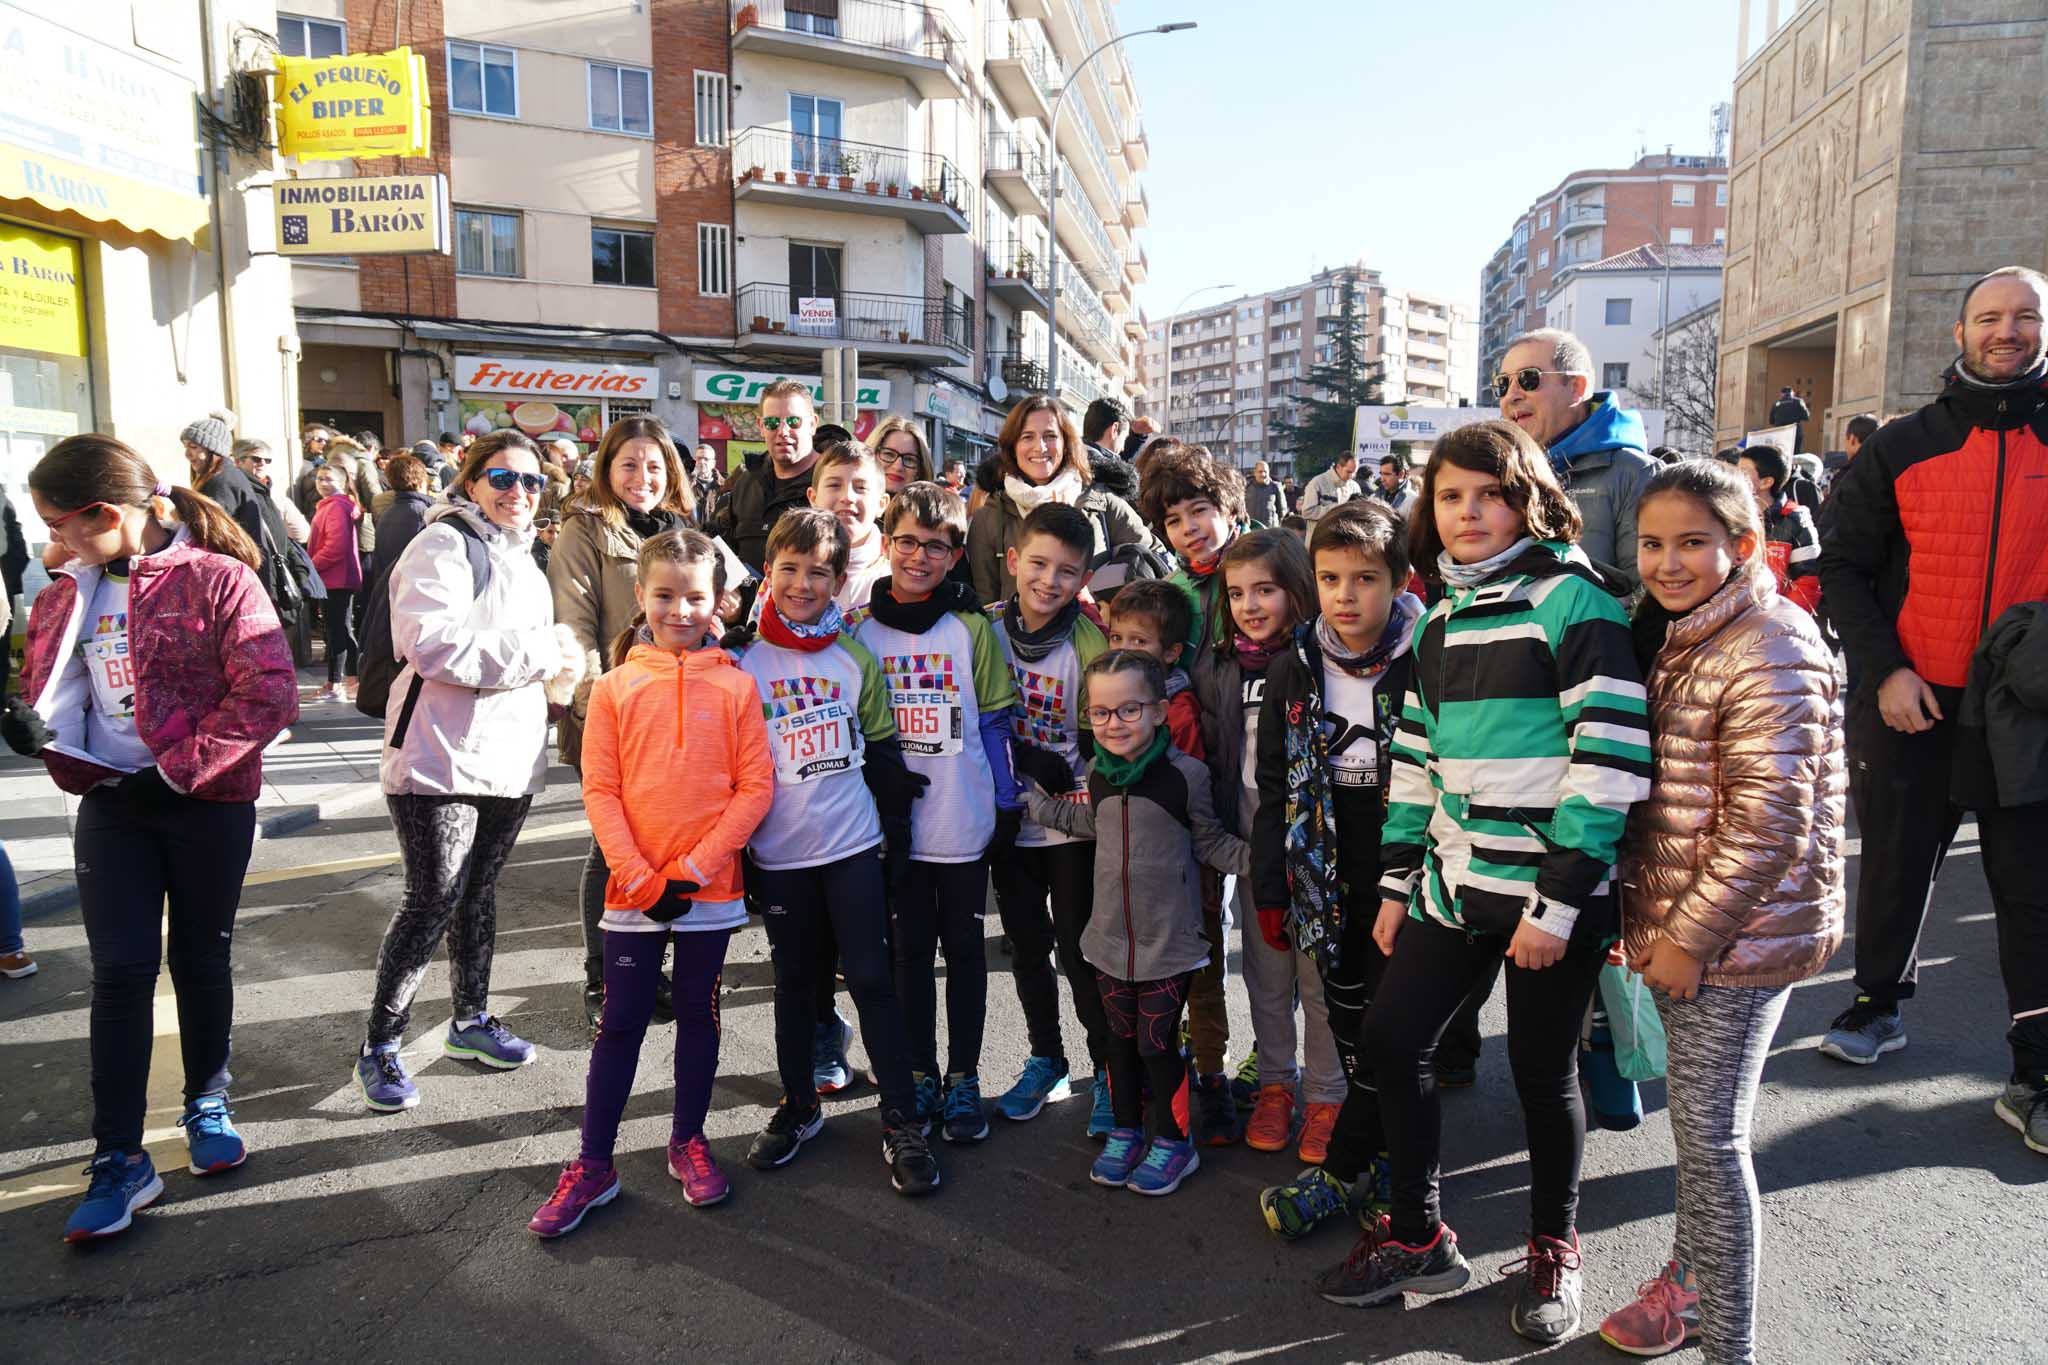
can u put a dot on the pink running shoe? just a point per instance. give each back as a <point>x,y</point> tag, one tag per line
<point>1663,1317</point>
<point>690,1162</point>
<point>583,1186</point>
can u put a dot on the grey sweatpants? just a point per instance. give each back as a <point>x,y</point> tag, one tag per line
<point>453,848</point>
<point>1274,981</point>
<point>1716,1044</point>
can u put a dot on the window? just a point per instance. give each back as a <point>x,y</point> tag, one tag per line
<point>1543,260</point>
<point>622,99</point>
<point>483,80</point>
<point>298,37</point>
<point>714,258</point>
<point>812,16</point>
<point>1681,236</point>
<point>1619,312</point>
<point>1614,376</point>
<point>1721,195</point>
<point>1543,219</point>
<point>712,126</point>
<point>814,125</point>
<point>1681,196</point>
<point>1720,236</point>
<point>487,243</point>
<point>814,273</point>
<point>621,257</point>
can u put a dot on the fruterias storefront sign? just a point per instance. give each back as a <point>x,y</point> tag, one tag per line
<point>94,130</point>
<point>549,378</point>
<point>363,104</point>
<point>379,215</point>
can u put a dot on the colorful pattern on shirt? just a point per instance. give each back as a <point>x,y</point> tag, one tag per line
<point>822,707</point>
<point>1053,711</point>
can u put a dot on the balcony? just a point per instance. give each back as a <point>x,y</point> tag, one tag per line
<point>776,166</point>
<point>1031,9</point>
<point>1083,148</point>
<point>1137,148</point>
<point>1017,277</point>
<point>1579,218</point>
<point>1086,239</point>
<point>1137,268</point>
<point>1016,171</point>
<point>1023,69</point>
<point>1021,373</point>
<point>1137,208</point>
<point>771,317</point>
<point>893,37</point>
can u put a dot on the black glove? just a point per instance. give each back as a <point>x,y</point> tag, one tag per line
<point>894,786</point>
<point>895,853</point>
<point>739,637</point>
<point>1009,820</point>
<point>146,784</point>
<point>674,903</point>
<point>1042,766</point>
<point>23,729</point>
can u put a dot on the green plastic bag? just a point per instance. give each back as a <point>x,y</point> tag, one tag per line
<point>1633,1020</point>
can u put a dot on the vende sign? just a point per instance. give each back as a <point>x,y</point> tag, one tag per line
<point>510,374</point>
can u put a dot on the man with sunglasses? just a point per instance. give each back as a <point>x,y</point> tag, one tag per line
<point>1598,447</point>
<point>759,496</point>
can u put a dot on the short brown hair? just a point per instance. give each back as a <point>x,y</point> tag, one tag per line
<point>1184,474</point>
<point>1160,602</point>
<point>932,506</point>
<point>844,453</point>
<point>805,530</point>
<point>405,474</point>
<point>1284,554</point>
<point>1505,452</point>
<point>1370,528</point>
<point>788,388</point>
<point>1073,455</point>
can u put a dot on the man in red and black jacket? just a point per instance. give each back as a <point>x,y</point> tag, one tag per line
<point>1939,525</point>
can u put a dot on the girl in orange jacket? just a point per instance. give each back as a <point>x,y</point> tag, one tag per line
<point>677,773</point>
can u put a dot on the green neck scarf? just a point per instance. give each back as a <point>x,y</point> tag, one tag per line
<point>1122,772</point>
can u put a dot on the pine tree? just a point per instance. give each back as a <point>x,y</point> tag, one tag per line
<point>1346,383</point>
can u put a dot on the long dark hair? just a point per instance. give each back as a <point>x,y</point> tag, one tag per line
<point>675,496</point>
<point>1286,557</point>
<point>1505,452</point>
<point>1072,455</point>
<point>94,468</point>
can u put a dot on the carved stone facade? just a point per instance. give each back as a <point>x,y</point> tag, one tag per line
<point>1884,154</point>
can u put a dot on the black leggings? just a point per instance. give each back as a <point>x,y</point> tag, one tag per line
<point>342,660</point>
<point>1348,991</point>
<point>1143,1043</point>
<point>1431,973</point>
<point>943,904</point>
<point>796,903</point>
<point>133,853</point>
<point>1061,876</point>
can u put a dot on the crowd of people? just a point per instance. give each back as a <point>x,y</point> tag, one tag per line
<point>1546,709</point>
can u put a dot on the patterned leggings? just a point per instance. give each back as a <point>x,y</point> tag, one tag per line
<point>1144,1043</point>
<point>454,848</point>
<point>1717,1043</point>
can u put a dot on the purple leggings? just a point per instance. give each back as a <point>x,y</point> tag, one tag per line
<point>632,966</point>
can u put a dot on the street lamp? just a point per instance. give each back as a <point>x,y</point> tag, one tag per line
<point>1170,317</point>
<point>1052,221</point>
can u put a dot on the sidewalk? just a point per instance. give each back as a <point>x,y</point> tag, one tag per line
<point>327,767</point>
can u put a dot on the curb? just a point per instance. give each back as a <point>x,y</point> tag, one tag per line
<point>283,820</point>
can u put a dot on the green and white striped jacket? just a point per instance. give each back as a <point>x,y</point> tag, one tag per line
<point>1524,740</point>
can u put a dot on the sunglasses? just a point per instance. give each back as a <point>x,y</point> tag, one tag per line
<point>911,546</point>
<point>777,423</point>
<point>259,461</point>
<point>504,479</point>
<point>1130,713</point>
<point>1529,380</point>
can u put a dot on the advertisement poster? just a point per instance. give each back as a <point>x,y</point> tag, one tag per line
<point>378,215</point>
<point>360,104</point>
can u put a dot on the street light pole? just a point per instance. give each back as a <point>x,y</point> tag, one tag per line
<point>1170,318</point>
<point>1052,217</point>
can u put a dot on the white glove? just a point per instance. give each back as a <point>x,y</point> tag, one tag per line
<point>561,688</point>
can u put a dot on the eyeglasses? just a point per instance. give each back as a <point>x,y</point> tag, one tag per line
<point>1130,713</point>
<point>910,547</point>
<point>887,457</point>
<point>503,479</point>
<point>777,423</point>
<point>1530,380</point>
<point>54,522</point>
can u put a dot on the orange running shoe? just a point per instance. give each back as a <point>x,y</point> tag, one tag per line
<point>1272,1119</point>
<point>1317,1123</point>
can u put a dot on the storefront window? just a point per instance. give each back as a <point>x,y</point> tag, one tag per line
<point>45,380</point>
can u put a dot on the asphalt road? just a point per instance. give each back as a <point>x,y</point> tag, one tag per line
<point>1903,1219</point>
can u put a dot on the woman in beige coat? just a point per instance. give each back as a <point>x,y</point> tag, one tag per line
<point>1731,873</point>
<point>638,491</point>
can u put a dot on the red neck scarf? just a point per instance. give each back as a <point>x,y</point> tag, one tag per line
<point>805,639</point>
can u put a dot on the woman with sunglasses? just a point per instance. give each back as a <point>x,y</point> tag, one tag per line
<point>900,449</point>
<point>156,674</point>
<point>465,749</point>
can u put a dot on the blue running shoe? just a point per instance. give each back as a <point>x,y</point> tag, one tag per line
<point>382,1078</point>
<point>490,1042</point>
<point>212,1139</point>
<point>1044,1079</point>
<point>1101,1116</point>
<point>1166,1164</point>
<point>118,1188</point>
<point>930,1100</point>
<point>1122,1150</point>
<point>830,1071</point>
<point>963,1118</point>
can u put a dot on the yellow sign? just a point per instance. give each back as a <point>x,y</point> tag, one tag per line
<point>366,104</point>
<point>379,215</point>
<point>42,292</point>
<point>90,129</point>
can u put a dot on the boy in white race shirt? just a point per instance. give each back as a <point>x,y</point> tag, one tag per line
<point>848,482</point>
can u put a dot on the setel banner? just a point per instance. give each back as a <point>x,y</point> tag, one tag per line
<point>373,215</point>
<point>1375,429</point>
<point>361,104</point>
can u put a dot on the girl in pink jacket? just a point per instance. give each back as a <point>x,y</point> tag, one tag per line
<point>156,673</point>
<point>333,546</point>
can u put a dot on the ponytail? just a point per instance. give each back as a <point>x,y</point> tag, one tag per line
<point>623,642</point>
<point>212,528</point>
<point>93,467</point>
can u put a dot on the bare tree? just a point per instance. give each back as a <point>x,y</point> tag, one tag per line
<point>1692,366</point>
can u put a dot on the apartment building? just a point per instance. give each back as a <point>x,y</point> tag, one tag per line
<point>1237,367</point>
<point>1616,306</point>
<point>699,196</point>
<point>1589,216</point>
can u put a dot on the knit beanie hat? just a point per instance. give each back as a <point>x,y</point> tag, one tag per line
<point>213,433</point>
<point>427,451</point>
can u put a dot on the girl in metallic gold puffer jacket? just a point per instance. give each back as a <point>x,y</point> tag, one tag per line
<point>1732,872</point>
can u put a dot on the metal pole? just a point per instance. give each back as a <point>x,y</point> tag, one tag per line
<point>1052,214</point>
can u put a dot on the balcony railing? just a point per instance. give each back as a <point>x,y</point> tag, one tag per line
<point>879,320</point>
<point>1021,372</point>
<point>1012,157</point>
<point>889,25</point>
<point>838,163</point>
<point>1014,40</point>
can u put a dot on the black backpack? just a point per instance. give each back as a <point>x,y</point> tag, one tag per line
<point>380,664</point>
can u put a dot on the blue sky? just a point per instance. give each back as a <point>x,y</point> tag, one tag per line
<point>1289,135</point>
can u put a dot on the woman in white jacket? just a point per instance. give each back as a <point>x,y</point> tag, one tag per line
<point>465,749</point>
